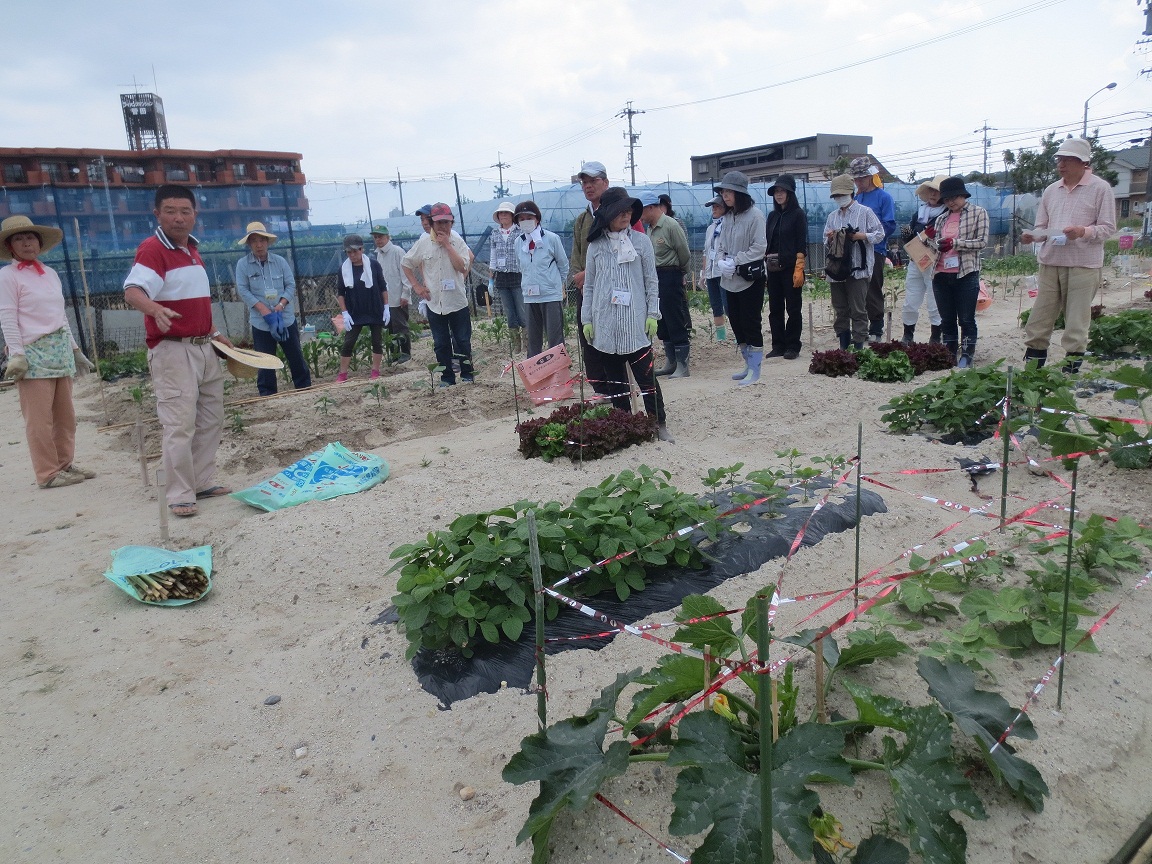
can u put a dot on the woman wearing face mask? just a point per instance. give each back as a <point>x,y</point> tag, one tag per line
<point>543,266</point>
<point>787,233</point>
<point>849,295</point>
<point>742,242</point>
<point>918,284</point>
<point>961,232</point>
<point>709,274</point>
<point>620,304</point>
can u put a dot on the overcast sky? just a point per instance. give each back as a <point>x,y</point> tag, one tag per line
<point>364,89</point>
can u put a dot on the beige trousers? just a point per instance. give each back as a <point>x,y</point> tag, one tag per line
<point>1062,289</point>
<point>49,424</point>
<point>189,387</point>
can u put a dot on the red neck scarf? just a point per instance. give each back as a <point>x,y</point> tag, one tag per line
<point>31,265</point>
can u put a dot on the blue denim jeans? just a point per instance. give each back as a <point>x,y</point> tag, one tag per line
<point>263,342</point>
<point>716,298</point>
<point>956,301</point>
<point>452,335</point>
<point>513,302</point>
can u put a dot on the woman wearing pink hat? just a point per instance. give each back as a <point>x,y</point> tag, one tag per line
<point>42,355</point>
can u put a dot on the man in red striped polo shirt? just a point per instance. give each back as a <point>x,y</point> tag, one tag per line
<point>168,283</point>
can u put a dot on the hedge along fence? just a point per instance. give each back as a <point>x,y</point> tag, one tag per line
<point>724,754</point>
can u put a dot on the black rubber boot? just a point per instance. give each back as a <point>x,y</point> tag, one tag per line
<point>1038,354</point>
<point>909,334</point>
<point>1072,361</point>
<point>669,360</point>
<point>934,339</point>
<point>859,346</point>
<point>845,340</point>
<point>876,330</point>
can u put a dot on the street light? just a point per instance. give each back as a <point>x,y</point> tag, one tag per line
<point>1112,86</point>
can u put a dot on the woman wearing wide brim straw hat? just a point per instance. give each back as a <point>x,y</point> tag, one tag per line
<point>917,283</point>
<point>42,355</point>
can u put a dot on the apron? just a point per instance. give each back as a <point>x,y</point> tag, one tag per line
<point>51,356</point>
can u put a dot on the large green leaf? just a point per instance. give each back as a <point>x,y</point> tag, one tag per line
<point>925,782</point>
<point>715,789</point>
<point>715,635</point>
<point>570,764</point>
<point>984,716</point>
<point>674,679</point>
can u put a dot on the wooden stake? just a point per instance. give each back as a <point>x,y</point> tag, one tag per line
<point>811,336</point>
<point>1005,433</point>
<point>856,571</point>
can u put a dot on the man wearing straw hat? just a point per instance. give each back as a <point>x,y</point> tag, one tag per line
<point>265,283</point>
<point>169,285</point>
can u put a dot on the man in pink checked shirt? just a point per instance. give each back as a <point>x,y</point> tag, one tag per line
<point>1076,215</point>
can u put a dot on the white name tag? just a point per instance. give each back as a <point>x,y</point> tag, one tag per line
<point>951,261</point>
<point>531,290</point>
<point>448,285</point>
<point>500,262</point>
<point>621,298</point>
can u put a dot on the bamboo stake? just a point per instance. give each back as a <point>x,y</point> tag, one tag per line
<point>1005,433</point>
<point>141,451</point>
<point>821,711</point>
<point>1067,589</point>
<point>856,571</point>
<point>162,501</point>
<point>538,587</point>
<point>811,336</point>
<point>763,693</point>
<point>91,319</point>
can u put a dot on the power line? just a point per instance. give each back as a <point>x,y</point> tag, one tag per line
<point>971,28</point>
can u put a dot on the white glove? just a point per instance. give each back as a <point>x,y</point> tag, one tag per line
<point>423,307</point>
<point>727,267</point>
<point>348,325</point>
<point>387,316</point>
<point>83,364</point>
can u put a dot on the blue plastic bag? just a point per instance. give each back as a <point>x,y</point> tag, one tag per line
<point>325,474</point>
<point>148,560</point>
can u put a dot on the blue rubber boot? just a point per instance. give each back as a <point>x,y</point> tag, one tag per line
<point>743,353</point>
<point>755,358</point>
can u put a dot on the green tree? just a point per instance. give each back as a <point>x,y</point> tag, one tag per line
<point>1033,170</point>
<point>981,178</point>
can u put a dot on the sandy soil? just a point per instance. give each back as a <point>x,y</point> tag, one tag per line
<point>137,734</point>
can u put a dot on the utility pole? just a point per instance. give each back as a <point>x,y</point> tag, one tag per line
<point>500,166</point>
<point>632,137</point>
<point>399,185</point>
<point>987,143</point>
<point>949,164</point>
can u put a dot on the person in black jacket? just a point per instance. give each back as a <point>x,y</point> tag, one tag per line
<point>787,233</point>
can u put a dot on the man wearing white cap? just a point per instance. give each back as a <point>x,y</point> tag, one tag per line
<point>265,283</point>
<point>1076,215</point>
<point>593,180</point>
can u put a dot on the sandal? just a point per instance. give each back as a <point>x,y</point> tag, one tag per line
<point>214,492</point>
<point>186,509</point>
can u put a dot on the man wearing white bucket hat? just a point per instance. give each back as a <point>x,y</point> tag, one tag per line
<point>265,283</point>
<point>1076,215</point>
<point>168,283</point>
